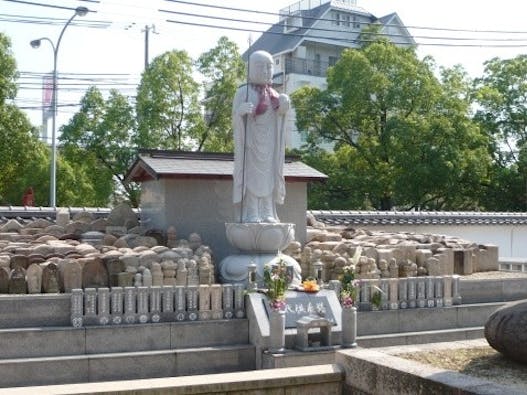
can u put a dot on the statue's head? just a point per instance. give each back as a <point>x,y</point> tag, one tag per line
<point>260,67</point>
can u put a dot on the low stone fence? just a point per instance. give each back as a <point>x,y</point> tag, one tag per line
<point>513,264</point>
<point>140,305</point>
<point>406,293</point>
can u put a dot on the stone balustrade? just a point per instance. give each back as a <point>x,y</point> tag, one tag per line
<point>140,305</point>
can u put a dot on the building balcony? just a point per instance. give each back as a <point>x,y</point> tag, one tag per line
<point>315,68</point>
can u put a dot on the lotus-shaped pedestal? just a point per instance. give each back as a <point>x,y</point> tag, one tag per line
<point>260,237</point>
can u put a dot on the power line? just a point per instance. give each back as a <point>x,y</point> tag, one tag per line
<point>341,31</point>
<point>47,20</point>
<point>306,17</point>
<point>480,41</point>
<point>44,5</point>
<point>339,39</point>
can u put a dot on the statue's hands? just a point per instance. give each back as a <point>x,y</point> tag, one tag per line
<point>245,108</point>
<point>284,103</point>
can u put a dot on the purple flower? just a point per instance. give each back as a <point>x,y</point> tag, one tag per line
<point>277,304</point>
<point>347,302</point>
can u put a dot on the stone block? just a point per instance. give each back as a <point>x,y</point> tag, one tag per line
<point>209,333</point>
<point>220,360</point>
<point>70,274</point>
<point>468,261</point>
<point>127,338</point>
<point>41,342</point>
<point>488,258</point>
<point>514,288</point>
<point>421,255</point>
<point>45,371</point>
<point>26,311</point>
<point>50,278</point>
<point>94,274</point>
<point>476,315</point>
<point>125,367</point>
<point>427,319</point>
<point>377,322</point>
<point>481,291</point>
<point>34,279</point>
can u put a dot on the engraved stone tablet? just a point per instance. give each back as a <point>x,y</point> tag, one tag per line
<point>205,312</point>
<point>403,293</point>
<point>228,301</point>
<point>412,292</point>
<point>155,303</point>
<point>90,306</point>
<point>216,301</point>
<point>116,305</point>
<point>421,292</point>
<point>192,303</point>
<point>430,289</point>
<point>447,290</point>
<point>77,296</point>
<point>181,303</point>
<point>239,300</point>
<point>142,305</point>
<point>130,302</point>
<point>103,306</point>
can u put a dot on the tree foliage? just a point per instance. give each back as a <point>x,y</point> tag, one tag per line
<point>501,98</point>
<point>405,136</point>
<point>168,108</point>
<point>223,70</point>
<point>98,142</point>
<point>24,160</point>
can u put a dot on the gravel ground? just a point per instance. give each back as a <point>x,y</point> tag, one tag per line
<point>474,358</point>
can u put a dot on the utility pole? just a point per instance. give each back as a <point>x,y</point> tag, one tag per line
<point>147,33</point>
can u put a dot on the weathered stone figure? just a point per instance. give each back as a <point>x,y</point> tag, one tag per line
<point>259,139</point>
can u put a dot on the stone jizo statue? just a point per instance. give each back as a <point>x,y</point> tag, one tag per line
<point>258,114</point>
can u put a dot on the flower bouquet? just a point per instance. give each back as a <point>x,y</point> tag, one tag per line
<point>348,293</point>
<point>276,279</point>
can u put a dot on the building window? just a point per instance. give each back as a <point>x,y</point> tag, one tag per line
<point>356,23</point>
<point>332,60</point>
<point>335,20</point>
<point>277,61</point>
<point>347,19</point>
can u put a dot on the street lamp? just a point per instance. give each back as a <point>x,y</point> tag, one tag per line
<point>80,11</point>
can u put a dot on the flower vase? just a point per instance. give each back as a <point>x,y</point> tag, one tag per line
<point>349,327</point>
<point>276,331</point>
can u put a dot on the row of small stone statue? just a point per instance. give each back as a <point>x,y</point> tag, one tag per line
<point>130,305</point>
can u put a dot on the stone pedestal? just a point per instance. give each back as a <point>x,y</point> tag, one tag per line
<point>259,244</point>
<point>276,331</point>
<point>349,327</point>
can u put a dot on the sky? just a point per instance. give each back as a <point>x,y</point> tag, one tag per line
<point>113,54</point>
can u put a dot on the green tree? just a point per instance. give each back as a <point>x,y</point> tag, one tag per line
<point>168,109</point>
<point>223,70</point>
<point>501,98</point>
<point>98,142</point>
<point>24,159</point>
<point>405,136</point>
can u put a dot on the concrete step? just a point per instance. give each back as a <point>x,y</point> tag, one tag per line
<point>292,357</point>
<point>62,341</point>
<point>432,336</point>
<point>125,366</point>
<point>424,319</point>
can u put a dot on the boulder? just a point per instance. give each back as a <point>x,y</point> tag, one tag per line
<point>506,330</point>
<point>123,215</point>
